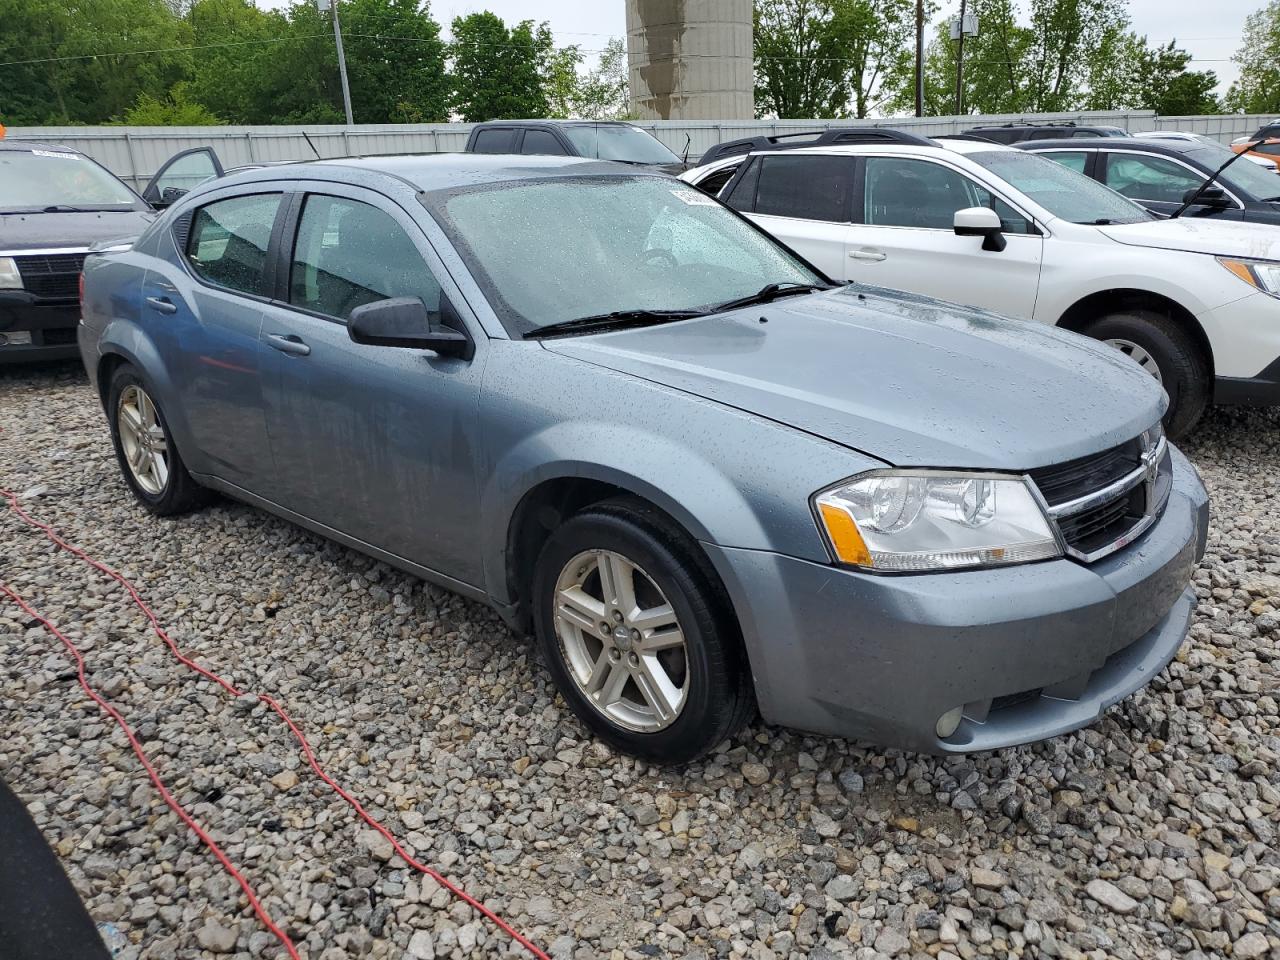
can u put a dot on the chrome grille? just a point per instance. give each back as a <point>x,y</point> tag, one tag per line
<point>1104,501</point>
<point>51,276</point>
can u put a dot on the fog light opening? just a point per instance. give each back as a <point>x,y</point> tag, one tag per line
<point>15,338</point>
<point>949,722</point>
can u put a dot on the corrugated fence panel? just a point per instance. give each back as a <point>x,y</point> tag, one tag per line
<point>135,153</point>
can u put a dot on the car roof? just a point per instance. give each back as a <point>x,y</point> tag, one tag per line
<point>439,171</point>
<point>937,145</point>
<point>554,123</point>
<point>1147,144</point>
<point>8,143</point>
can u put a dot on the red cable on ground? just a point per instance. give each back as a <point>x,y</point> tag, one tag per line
<point>173,804</point>
<point>308,753</point>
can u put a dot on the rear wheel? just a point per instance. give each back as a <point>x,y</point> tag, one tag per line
<point>149,460</point>
<point>638,635</point>
<point>1166,352</point>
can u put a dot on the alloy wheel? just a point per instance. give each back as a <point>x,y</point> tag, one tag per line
<point>622,641</point>
<point>146,448</point>
<point>1139,354</point>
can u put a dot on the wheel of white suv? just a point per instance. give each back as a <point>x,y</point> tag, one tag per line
<point>148,457</point>
<point>637,634</point>
<point>1167,353</point>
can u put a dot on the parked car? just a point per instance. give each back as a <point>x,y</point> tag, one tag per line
<point>1163,175</point>
<point>1192,300</point>
<point>593,139</point>
<point>1261,151</point>
<point>1269,165</point>
<point>1051,130</point>
<point>705,478</point>
<point>54,204</point>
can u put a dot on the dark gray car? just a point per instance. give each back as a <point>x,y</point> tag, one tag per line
<point>607,405</point>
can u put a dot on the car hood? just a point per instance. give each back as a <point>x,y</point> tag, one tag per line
<point>42,231</point>
<point>1224,238</point>
<point>906,379</point>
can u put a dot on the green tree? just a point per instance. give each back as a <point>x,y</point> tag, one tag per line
<point>800,60</point>
<point>498,73</point>
<point>395,62</point>
<point>560,79</point>
<point>1163,83</point>
<point>875,41</point>
<point>238,41</point>
<point>175,110</point>
<point>605,92</point>
<point>1258,89</point>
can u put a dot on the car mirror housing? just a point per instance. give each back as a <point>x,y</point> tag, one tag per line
<point>1209,197</point>
<point>404,322</point>
<point>981,222</point>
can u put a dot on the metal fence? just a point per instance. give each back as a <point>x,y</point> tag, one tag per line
<point>135,153</point>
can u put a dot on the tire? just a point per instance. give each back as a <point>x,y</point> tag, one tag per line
<point>165,490</point>
<point>715,697</point>
<point>1184,374</point>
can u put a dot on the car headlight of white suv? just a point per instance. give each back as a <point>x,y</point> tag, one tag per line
<point>923,520</point>
<point>1261,274</point>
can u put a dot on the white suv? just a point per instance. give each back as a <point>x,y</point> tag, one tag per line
<point>1195,301</point>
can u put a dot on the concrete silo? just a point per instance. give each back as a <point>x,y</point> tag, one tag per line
<point>690,59</point>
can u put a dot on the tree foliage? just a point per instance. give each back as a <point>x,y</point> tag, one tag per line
<point>498,71</point>
<point>1258,89</point>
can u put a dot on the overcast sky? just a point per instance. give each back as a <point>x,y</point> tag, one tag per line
<point>1209,31</point>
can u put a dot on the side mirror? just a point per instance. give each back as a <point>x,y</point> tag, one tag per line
<point>1209,197</point>
<point>404,322</point>
<point>170,196</point>
<point>981,222</point>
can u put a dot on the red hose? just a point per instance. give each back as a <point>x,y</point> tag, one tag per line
<point>308,753</point>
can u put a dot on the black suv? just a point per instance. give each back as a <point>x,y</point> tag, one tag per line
<point>1163,174</point>
<point>1010,133</point>
<point>596,139</point>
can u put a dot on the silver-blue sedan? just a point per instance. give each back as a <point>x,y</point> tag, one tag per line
<point>703,476</point>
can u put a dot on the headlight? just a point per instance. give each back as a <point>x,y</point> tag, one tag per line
<point>1262,274</point>
<point>917,520</point>
<point>10,279</point>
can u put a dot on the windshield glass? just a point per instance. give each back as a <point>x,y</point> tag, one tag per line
<point>1063,192</point>
<point>1243,176</point>
<point>610,142</point>
<point>33,180</point>
<point>547,251</point>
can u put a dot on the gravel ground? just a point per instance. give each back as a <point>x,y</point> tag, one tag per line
<point>1153,834</point>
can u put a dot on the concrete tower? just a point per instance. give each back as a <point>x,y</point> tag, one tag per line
<point>690,59</point>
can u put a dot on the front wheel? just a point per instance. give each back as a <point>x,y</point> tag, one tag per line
<point>1166,352</point>
<point>637,635</point>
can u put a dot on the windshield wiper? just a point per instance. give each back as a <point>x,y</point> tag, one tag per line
<point>1270,200</point>
<point>616,320</point>
<point>63,208</point>
<point>770,292</point>
<point>1212,177</point>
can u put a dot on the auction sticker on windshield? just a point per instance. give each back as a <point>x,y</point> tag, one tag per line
<point>58,156</point>
<point>693,198</point>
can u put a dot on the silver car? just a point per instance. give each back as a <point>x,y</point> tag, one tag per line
<point>704,477</point>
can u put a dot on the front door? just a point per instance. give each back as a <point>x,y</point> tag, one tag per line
<point>907,240</point>
<point>378,443</point>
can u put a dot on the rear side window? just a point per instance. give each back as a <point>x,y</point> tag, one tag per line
<point>493,141</point>
<point>806,187</point>
<point>541,142</point>
<point>715,182</point>
<point>228,241</point>
<point>349,253</point>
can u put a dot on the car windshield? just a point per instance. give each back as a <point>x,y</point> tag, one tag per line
<point>617,142</point>
<point>548,251</point>
<point>1243,176</point>
<point>1063,192</point>
<point>35,180</point>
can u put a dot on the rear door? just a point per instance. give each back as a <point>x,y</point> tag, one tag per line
<point>804,200</point>
<point>494,140</point>
<point>906,238</point>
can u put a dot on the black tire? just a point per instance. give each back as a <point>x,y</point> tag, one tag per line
<point>180,493</point>
<point>719,698</point>
<point>1183,370</point>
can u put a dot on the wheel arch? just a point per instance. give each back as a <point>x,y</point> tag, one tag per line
<point>1099,304</point>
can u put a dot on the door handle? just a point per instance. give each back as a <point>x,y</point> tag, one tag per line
<point>162,305</point>
<point>865,254</point>
<point>289,344</point>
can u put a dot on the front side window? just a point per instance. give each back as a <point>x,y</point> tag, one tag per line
<point>808,187</point>
<point>1062,192</point>
<point>1150,178</point>
<point>607,141</point>
<point>349,253</point>
<point>32,180</point>
<point>920,193</point>
<point>1071,159</point>
<point>621,243</point>
<point>185,172</point>
<point>1243,176</point>
<point>228,241</point>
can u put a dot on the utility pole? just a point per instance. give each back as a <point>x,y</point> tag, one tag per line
<point>919,58</point>
<point>959,62</point>
<point>342,57</point>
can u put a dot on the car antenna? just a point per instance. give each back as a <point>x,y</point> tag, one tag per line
<point>1212,177</point>
<point>688,139</point>
<point>311,145</point>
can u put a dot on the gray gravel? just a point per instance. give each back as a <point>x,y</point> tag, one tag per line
<point>1153,834</point>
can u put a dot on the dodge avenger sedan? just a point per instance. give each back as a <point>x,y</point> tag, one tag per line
<point>704,477</point>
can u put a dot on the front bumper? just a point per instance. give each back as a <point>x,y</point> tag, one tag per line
<point>51,323</point>
<point>1030,651</point>
<point>1262,390</point>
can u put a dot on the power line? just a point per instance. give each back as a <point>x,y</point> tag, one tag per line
<point>142,53</point>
